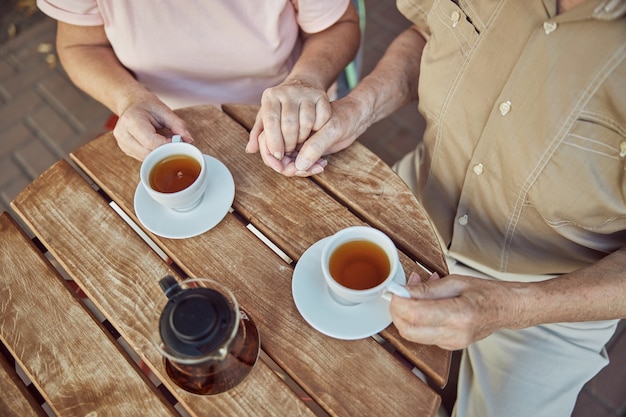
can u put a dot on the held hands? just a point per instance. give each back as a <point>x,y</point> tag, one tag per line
<point>136,129</point>
<point>454,312</point>
<point>297,126</point>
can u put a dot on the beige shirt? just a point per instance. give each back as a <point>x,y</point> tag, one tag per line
<point>522,166</point>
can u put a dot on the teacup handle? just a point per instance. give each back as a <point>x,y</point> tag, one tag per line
<point>177,138</point>
<point>397,289</point>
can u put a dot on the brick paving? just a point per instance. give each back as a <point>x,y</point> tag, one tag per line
<point>43,117</point>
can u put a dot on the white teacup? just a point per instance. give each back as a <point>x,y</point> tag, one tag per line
<point>359,264</point>
<point>186,198</point>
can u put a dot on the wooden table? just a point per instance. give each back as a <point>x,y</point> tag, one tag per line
<point>75,299</point>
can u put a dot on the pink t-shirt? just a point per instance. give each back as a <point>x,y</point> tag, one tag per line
<point>200,52</point>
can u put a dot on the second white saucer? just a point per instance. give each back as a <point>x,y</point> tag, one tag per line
<point>213,207</point>
<point>324,314</point>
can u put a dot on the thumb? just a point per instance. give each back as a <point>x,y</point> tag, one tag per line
<point>435,289</point>
<point>313,149</point>
<point>175,124</point>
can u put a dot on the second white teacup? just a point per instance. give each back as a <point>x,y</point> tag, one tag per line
<point>175,175</point>
<point>359,264</point>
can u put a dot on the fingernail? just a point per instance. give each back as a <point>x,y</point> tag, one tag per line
<point>433,276</point>
<point>303,164</point>
<point>317,170</point>
<point>278,155</point>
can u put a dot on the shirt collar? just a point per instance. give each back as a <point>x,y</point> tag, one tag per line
<point>596,9</point>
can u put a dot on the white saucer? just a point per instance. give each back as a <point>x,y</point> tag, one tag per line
<point>324,314</point>
<point>213,207</point>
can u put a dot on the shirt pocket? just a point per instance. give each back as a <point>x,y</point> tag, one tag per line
<point>582,190</point>
<point>452,37</point>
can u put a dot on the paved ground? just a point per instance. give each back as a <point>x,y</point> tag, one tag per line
<point>43,117</point>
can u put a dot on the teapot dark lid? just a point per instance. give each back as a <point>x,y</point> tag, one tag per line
<point>195,321</point>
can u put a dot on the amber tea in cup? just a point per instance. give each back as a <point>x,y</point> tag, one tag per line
<point>174,173</point>
<point>359,265</point>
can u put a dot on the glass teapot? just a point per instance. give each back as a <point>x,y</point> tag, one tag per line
<point>208,343</point>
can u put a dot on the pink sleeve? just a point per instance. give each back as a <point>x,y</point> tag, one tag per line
<point>317,15</point>
<point>74,12</point>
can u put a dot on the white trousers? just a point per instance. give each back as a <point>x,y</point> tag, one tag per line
<point>537,371</point>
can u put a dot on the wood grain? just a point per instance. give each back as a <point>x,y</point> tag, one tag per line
<point>262,281</point>
<point>53,338</point>
<point>119,273</point>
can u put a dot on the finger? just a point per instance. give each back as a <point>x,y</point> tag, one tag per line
<point>433,277</point>
<point>291,170</point>
<point>430,322</point>
<point>307,117</point>
<point>271,112</point>
<point>436,289</point>
<point>266,155</point>
<point>130,146</point>
<point>323,112</point>
<point>414,279</point>
<point>253,141</point>
<point>174,123</point>
<point>289,127</point>
<point>185,135</point>
<point>312,150</point>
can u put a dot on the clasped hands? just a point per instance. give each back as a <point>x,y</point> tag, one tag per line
<point>297,126</point>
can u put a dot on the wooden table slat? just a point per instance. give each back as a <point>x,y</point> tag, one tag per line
<point>51,336</point>
<point>255,284</point>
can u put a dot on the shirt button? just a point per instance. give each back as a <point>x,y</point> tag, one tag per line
<point>622,148</point>
<point>455,17</point>
<point>478,169</point>
<point>549,27</point>
<point>505,107</point>
<point>463,220</point>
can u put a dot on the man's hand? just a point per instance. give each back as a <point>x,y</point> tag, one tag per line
<point>455,311</point>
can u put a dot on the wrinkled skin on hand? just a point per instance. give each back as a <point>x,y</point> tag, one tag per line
<point>289,113</point>
<point>336,134</point>
<point>136,129</point>
<point>455,311</point>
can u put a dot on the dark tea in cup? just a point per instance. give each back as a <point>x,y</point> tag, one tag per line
<point>174,173</point>
<point>359,265</point>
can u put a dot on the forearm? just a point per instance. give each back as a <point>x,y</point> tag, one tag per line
<point>91,64</point>
<point>394,81</point>
<point>325,54</point>
<point>596,292</point>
